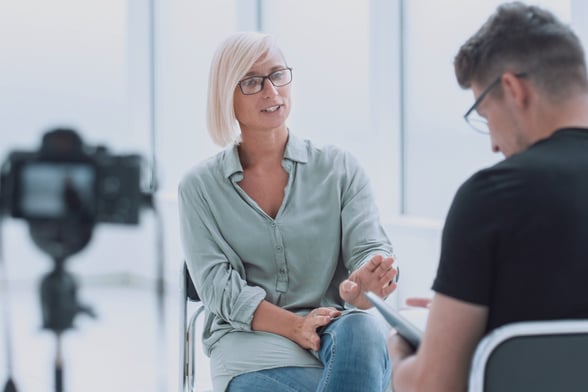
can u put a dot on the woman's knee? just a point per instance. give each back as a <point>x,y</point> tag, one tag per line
<point>354,353</point>
<point>360,326</point>
<point>287,379</point>
<point>358,332</point>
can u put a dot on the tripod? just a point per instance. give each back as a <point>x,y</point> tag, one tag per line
<point>80,186</point>
<point>60,306</point>
<point>58,289</point>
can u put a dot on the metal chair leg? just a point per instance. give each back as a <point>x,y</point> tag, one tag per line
<point>187,334</point>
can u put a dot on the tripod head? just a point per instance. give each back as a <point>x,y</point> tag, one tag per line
<point>59,303</point>
<point>58,290</point>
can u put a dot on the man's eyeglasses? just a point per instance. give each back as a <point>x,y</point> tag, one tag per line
<point>254,84</point>
<point>473,118</point>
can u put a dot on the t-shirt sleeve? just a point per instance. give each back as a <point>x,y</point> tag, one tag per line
<point>469,241</point>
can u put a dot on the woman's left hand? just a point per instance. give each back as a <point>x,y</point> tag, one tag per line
<point>377,275</point>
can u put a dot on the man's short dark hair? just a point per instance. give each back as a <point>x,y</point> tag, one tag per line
<point>523,38</point>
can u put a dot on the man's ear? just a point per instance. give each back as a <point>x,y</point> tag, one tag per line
<point>515,89</point>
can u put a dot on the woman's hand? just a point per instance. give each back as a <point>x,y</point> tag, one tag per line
<point>377,275</point>
<point>305,331</point>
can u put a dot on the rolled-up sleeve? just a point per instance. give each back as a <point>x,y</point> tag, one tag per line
<point>362,233</point>
<point>216,270</point>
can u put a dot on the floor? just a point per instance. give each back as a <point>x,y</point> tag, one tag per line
<point>126,348</point>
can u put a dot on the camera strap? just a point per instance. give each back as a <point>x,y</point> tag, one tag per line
<point>10,386</point>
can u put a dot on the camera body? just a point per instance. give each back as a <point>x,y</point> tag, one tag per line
<point>66,180</point>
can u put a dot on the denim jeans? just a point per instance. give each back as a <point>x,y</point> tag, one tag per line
<point>353,352</point>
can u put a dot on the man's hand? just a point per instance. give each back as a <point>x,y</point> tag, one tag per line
<point>419,302</point>
<point>398,347</point>
<point>377,275</point>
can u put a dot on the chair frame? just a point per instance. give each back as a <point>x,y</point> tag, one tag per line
<point>188,337</point>
<point>528,329</point>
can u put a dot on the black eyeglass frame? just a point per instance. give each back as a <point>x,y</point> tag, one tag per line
<point>263,79</point>
<point>487,91</point>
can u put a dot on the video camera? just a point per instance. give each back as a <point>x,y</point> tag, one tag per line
<point>62,191</point>
<point>65,180</point>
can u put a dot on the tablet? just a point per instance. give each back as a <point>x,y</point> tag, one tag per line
<point>410,332</point>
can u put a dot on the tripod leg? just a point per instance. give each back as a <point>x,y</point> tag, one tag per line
<point>58,365</point>
<point>10,387</point>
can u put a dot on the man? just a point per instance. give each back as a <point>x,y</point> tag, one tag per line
<point>515,242</point>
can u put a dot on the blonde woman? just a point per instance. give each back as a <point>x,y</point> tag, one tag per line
<point>281,238</point>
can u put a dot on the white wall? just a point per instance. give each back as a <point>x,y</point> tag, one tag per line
<point>441,150</point>
<point>63,63</point>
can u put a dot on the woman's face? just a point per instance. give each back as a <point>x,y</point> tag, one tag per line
<point>269,108</point>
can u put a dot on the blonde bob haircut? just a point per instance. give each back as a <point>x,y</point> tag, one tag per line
<point>231,62</point>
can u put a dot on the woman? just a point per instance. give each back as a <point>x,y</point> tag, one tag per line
<point>271,228</point>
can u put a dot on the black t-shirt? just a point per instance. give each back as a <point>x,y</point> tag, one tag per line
<point>516,236</point>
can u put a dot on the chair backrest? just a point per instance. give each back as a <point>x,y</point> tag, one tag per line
<point>191,292</point>
<point>532,356</point>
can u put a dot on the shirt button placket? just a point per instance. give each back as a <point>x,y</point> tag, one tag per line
<point>282,281</point>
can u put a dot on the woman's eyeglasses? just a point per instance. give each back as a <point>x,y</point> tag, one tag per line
<point>254,84</point>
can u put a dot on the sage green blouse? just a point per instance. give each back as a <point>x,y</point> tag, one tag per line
<point>237,255</point>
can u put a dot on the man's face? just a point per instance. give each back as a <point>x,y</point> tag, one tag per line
<point>506,136</point>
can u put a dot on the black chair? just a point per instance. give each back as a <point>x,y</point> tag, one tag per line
<point>537,356</point>
<point>189,301</point>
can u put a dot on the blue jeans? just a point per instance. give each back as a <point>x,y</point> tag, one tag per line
<point>353,352</point>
